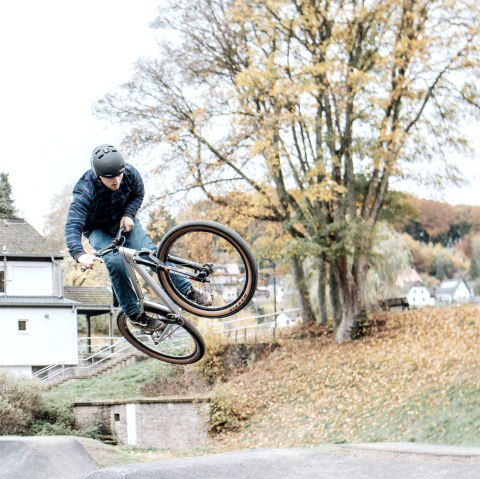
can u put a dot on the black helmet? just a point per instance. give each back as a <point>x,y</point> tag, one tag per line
<point>107,161</point>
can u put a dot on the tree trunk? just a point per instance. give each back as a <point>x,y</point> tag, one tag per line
<point>351,294</point>
<point>303,289</point>
<point>335,299</point>
<point>322,290</point>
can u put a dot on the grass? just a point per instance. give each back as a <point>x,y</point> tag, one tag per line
<point>119,385</point>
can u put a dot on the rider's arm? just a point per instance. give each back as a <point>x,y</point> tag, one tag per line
<point>76,219</point>
<point>137,192</point>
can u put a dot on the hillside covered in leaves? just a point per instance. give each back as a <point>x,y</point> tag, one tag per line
<point>415,378</point>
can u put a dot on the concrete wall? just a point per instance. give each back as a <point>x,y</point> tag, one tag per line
<point>166,423</point>
<point>38,336</point>
<point>27,278</point>
<point>17,370</point>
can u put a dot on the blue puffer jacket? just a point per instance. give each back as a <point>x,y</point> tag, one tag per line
<point>94,206</point>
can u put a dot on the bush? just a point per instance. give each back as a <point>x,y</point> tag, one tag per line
<point>20,401</point>
<point>56,418</point>
<point>221,359</point>
<point>98,431</point>
<point>211,367</point>
<point>53,418</point>
<point>224,415</point>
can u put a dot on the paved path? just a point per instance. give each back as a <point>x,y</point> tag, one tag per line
<point>55,457</point>
<point>65,458</point>
<point>389,461</point>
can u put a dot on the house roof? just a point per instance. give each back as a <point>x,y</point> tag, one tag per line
<point>87,300</point>
<point>90,299</point>
<point>98,295</point>
<point>407,277</point>
<point>20,239</point>
<point>449,286</point>
<point>36,301</point>
<point>408,286</point>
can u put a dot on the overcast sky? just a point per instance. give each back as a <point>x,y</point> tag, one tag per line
<point>58,58</point>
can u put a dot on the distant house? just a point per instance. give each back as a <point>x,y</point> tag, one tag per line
<point>453,290</point>
<point>283,320</point>
<point>413,290</point>
<point>227,280</point>
<point>418,296</point>
<point>38,325</point>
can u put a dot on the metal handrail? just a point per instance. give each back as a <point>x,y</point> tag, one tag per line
<point>277,313</point>
<point>252,330</point>
<point>89,358</point>
<point>90,344</point>
<point>62,371</point>
<point>107,348</point>
<point>62,363</point>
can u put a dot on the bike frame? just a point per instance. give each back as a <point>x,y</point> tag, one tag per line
<point>135,264</point>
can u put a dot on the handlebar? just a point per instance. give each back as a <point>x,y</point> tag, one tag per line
<point>113,246</point>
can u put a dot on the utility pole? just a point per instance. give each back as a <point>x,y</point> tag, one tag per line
<point>4,250</point>
<point>274,288</point>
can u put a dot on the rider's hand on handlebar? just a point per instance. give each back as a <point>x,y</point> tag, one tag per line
<point>127,223</point>
<point>88,261</point>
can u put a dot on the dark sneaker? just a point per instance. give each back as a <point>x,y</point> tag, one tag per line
<point>147,323</point>
<point>200,297</point>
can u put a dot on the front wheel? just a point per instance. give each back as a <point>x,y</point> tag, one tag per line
<point>179,343</point>
<point>232,276</point>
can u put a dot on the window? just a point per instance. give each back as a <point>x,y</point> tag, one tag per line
<point>22,325</point>
<point>2,281</point>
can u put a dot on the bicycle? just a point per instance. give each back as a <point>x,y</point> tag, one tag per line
<point>213,257</point>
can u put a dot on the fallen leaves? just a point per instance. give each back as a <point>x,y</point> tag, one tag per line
<point>311,391</point>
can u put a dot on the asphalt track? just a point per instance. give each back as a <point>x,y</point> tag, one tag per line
<point>50,457</point>
<point>65,458</point>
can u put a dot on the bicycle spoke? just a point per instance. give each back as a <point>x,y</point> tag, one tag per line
<point>223,278</point>
<point>178,343</point>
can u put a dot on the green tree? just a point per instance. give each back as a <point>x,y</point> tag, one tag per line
<point>7,209</point>
<point>475,259</point>
<point>391,258</point>
<point>443,267</point>
<point>314,105</point>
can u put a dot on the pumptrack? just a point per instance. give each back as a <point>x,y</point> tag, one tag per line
<point>64,457</point>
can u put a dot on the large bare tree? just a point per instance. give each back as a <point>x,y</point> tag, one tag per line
<point>313,106</point>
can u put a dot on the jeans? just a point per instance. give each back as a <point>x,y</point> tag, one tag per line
<point>119,277</point>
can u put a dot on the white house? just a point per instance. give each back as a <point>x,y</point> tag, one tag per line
<point>418,295</point>
<point>38,326</point>
<point>283,320</point>
<point>453,290</point>
<point>412,288</point>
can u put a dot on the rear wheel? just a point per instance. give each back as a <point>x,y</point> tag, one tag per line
<point>232,279</point>
<point>179,343</point>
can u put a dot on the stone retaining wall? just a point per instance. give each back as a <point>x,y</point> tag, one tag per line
<point>165,423</point>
